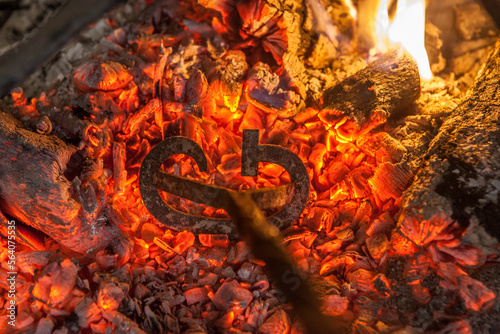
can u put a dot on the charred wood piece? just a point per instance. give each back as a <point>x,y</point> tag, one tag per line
<point>136,123</point>
<point>196,87</point>
<point>387,86</point>
<point>101,108</point>
<point>119,171</point>
<point>226,78</point>
<point>381,146</point>
<point>64,123</point>
<point>158,82</point>
<point>67,125</point>
<point>390,180</point>
<point>267,91</point>
<point>33,189</point>
<point>42,160</point>
<point>123,324</point>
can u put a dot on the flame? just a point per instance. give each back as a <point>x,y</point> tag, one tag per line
<point>406,29</point>
<point>352,8</point>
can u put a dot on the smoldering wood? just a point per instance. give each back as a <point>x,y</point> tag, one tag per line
<point>31,172</point>
<point>61,122</point>
<point>102,109</point>
<point>68,126</point>
<point>34,190</point>
<point>123,324</point>
<point>460,178</point>
<point>389,85</point>
<point>25,235</point>
<point>225,77</point>
<point>266,91</point>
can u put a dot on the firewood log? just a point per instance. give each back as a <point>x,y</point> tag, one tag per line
<point>385,87</point>
<point>460,178</point>
<point>34,190</point>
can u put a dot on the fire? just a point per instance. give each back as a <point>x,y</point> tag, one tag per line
<point>352,9</point>
<point>407,29</point>
<point>349,232</point>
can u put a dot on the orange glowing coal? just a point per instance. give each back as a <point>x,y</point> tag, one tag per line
<point>406,29</point>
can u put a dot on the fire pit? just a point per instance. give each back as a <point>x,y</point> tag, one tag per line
<point>255,166</point>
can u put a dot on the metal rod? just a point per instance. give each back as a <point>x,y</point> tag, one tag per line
<point>265,243</point>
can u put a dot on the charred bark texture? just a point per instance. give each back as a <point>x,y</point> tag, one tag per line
<point>34,190</point>
<point>31,173</point>
<point>385,87</point>
<point>460,179</point>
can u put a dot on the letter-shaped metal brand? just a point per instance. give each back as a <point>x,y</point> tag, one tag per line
<point>152,179</point>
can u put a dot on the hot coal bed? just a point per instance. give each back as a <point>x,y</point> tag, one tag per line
<point>253,167</point>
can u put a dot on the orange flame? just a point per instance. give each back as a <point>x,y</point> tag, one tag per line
<point>407,29</point>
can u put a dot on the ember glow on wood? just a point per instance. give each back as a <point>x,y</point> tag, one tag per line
<point>140,182</point>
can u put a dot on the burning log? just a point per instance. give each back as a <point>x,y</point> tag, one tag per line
<point>452,205</point>
<point>460,179</point>
<point>366,99</point>
<point>33,189</point>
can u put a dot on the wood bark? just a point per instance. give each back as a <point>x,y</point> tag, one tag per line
<point>386,86</point>
<point>460,178</point>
